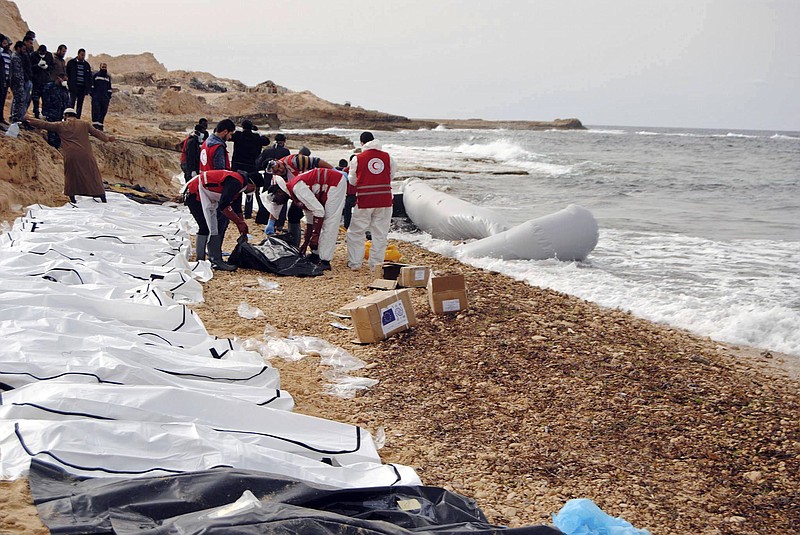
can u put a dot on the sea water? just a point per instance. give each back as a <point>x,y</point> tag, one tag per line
<point>699,229</point>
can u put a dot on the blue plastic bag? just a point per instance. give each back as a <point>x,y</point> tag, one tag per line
<point>583,517</point>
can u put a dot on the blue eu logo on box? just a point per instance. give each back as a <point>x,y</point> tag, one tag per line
<point>388,316</point>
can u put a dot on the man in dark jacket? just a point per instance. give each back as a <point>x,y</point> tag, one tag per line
<point>101,96</point>
<point>79,76</point>
<point>41,65</point>
<point>55,99</point>
<point>246,148</point>
<point>59,63</point>
<point>275,152</point>
<point>5,75</point>
<point>190,153</point>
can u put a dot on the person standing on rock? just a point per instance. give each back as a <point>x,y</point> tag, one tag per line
<point>5,75</point>
<point>59,63</point>
<point>55,99</point>
<point>41,65</point>
<point>79,75</point>
<point>17,83</point>
<point>81,174</point>
<point>246,148</point>
<point>101,96</point>
<point>371,172</point>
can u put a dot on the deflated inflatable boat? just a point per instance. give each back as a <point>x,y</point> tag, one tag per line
<point>569,234</point>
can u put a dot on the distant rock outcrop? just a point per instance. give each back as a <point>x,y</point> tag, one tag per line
<point>129,63</point>
<point>11,23</point>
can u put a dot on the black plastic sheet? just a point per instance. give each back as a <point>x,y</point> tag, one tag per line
<point>273,256</point>
<point>185,503</point>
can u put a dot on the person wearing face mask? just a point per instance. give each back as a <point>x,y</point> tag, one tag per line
<point>101,96</point>
<point>55,99</point>
<point>41,65</point>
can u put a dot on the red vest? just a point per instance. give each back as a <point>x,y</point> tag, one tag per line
<point>212,180</point>
<point>207,156</point>
<point>373,179</point>
<point>323,179</point>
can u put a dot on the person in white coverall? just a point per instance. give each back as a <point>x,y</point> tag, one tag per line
<point>371,172</point>
<point>320,193</point>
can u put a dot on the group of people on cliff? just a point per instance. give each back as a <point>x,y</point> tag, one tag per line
<point>50,83</point>
<point>287,188</point>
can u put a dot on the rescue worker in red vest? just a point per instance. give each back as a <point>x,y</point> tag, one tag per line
<point>320,194</point>
<point>209,197</point>
<point>214,151</point>
<point>288,167</point>
<point>371,172</point>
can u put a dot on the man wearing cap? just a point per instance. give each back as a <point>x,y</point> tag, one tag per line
<point>81,174</point>
<point>320,194</point>
<point>371,172</point>
<point>246,148</point>
<point>210,197</point>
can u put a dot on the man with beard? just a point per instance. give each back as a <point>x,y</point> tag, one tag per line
<point>79,76</point>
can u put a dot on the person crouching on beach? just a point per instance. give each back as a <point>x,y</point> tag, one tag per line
<point>288,168</point>
<point>210,197</point>
<point>320,194</point>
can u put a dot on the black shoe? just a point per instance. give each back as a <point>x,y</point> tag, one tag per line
<point>222,266</point>
<point>313,258</point>
<point>26,125</point>
<point>325,265</point>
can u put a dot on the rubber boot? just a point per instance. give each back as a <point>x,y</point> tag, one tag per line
<point>294,232</point>
<point>215,254</point>
<point>200,251</point>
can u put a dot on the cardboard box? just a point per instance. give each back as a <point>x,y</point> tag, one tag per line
<point>407,276</point>
<point>380,315</point>
<point>447,293</point>
<point>382,284</point>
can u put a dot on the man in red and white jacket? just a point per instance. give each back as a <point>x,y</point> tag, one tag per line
<point>371,172</point>
<point>320,194</point>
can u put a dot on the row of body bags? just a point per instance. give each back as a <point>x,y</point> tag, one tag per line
<point>106,371</point>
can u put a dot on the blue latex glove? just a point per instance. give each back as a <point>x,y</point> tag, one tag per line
<point>270,230</point>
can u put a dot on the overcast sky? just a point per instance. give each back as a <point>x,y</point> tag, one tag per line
<point>685,63</point>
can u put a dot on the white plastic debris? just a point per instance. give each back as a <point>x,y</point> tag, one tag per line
<point>265,284</point>
<point>249,312</point>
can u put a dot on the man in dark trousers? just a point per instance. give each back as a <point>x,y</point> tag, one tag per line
<point>41,65</point>
<point>79,76</point>
<point>5,75</point>
<point>275,152</point>
<point>246,148</point>
<point>101,96</point>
